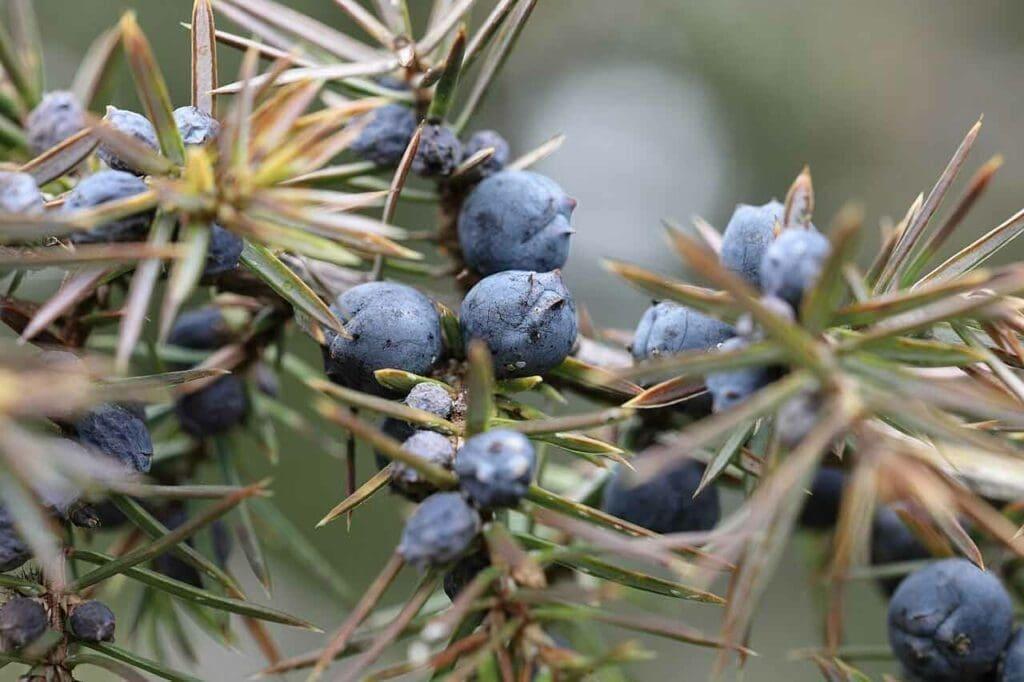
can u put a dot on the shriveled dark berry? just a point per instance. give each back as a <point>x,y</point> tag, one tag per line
<point>746,238</point>
<point>429,446</point>
<point>439,152</point>
<point>668,328</point>
<point>486,139</point>
<point>116,432</point>
<point>792,264</point>
<point>13,550</point>
<point>430,397</point>
<point>442,530</point>
<point>200,329</point>
<point>19,193</point>
<point>1011,666</point>
<point>892,542</point>
<point>92,621</point>
<point>223,253</point>
<point>390,326</point>
<point>516,220</point>
<point>664,503</point>
<point>527,320</point>
<point>729,388</point>
<point>385,134</point>
<point>56,118</point>
<point>821,510</point>
<point>134,125</point>
<point>215,408</point>
<point>950,621</point>
<point>196,126</point>
<point>22,621</point>
<point>495,468</point>
<point>100,188</point>
<point>463,572</point>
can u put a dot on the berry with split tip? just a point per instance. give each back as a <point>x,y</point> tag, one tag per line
<point>495,468</point>
<point>892,542</point>
<point>793,263</point>
<point>821,510</point>
<point>1011,666</point>
<point>134,125</point>
<point>463,572</point>
<point>430,397</point>
<point>200,329</point>
<point>516,220</point>
<point>117,432</point>
<point>22,621</point>
<point>390,326</point>
<point>750,231</point>
<point>14,552</point>
<point>442,529</point>
<point>731,387</point>
<point>664,503</point>
<point>100,188</point>
<point>667,328</point>
<point>486,139</point>
<point>56,118</point>
<point>222,254</point>
<point>438,153</point>
<point>214,409</point>
<point>195,126</point>
<point>427,445</point>
<point>385,134</point>
<point>527,320</point>
<point>92,621</point>
<point>19,194</point>
<point>950,621</point>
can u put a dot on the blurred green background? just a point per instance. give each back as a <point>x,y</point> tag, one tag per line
<point>672,109</point>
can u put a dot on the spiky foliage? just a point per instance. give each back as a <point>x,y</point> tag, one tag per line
<point>912,369</point>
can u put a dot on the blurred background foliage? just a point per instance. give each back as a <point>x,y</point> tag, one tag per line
<point>671,109</point>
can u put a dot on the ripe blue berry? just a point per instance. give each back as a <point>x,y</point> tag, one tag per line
<point>821,510</point>
<point>463,572</point>
<point>430,397</point>
<point>892,541</point>
<point>391,326</point>
<point>22,621</point>
<point>215,408</point>
<point>746,238</point>
<point>19,193</point>
<point>950,621</point>
<point>223,252</point>
<point>486,139</point>
<point>386,134</point>
<point>200,329</point>
<point>131,124</point>
<point>173,517</point>
<point>515,220</point>
<point>13,550</point>
<point>56,118</point>
<point>668,328</point>
<point>92,621</point>
<point>496,468</point>
<point>439,152</point>
<point>117,432</point>
<point>195,126</point>
<point>730,388</point>
<point>1011,667</point>
<point>443,529</point>
<point>664,503</point>
<point>430,446</point>
<point>527,320</point>
<point>792,264</point>
<point>99,188</point>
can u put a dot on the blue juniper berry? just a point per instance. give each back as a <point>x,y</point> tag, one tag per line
<point>196,126</point>
<point>92,621</point>
<point>750,231</point>
<point>438,153</point>
<point>729,388</point>
<point>134,125</point>
<point>486,139</point>
<point>14,552</point>
<point>792,264</point>
<point>495,468</point>
<point>19,193</point>
<point>57,117</point>
<point>665,503</point>
<point>22,621</point>
<point>821,510</point>
<point>443,529</point>
<point>100,188</point>
<point>385,134</point>
<point>430,446</point>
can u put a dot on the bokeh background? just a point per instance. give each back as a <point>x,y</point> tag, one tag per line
<point>672,109</point>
